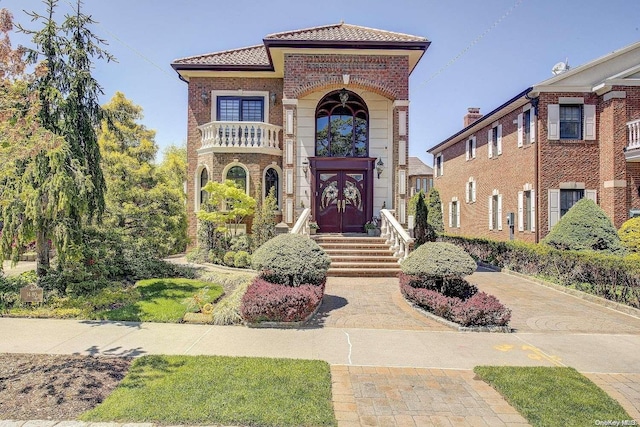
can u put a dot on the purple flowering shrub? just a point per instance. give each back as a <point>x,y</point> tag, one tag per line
<point>269,302</point>
<point>476,309</point>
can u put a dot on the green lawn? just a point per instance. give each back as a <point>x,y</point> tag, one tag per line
<point>552,396</point>
<point>162,300</point>
<point>221,390</point>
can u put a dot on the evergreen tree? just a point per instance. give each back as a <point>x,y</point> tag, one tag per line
<point>263,226</point>
<point>434,205</point>
<point>422,231</point>
<point>68,107</point>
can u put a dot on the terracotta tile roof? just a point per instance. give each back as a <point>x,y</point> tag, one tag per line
<point>345,33</point>
<point>245,56</point>
<point>417,167</point>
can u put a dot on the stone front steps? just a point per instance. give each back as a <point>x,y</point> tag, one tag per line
<point>357,255</point>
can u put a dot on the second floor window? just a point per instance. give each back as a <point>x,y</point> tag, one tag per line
<point>240,109</point>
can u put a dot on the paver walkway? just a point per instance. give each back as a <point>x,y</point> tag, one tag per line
<point>369,303</point>
<point>380,396</point>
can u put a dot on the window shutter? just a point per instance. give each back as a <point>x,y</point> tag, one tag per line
<point>553,122</point>
<point>468,149</point>
<point>589,122</point>
<point>499,211</point>
<point>499,139</point>
<point>473,191</point>
<point>490,212</point>
<point>458,216</point>
<point>591,195</point>
<point>473,148</point>
<point>490,142</point>
<point>450,214</point>
<point>554,207</point>
<point>520,211</point>
<point>532,126</point>
<point>466,192</point>
<point>533,210</point>
<point>520,131</point>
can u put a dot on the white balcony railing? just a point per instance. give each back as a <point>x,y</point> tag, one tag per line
<point>397,238</point>
<point>240,136</point>
<point>634,135</point>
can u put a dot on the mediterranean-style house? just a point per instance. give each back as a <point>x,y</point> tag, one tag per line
<point>512,173</point>
<point>319,114</point>
<point>420,176</point>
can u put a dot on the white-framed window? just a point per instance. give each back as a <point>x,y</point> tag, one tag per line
<point>238,173</point>
<point>438,164</point>
<point>471,148</point>
<point>470,190</point>
<point>527,209</point>
<point>526,127</point>
<point>271,179</point>
<point>454,213</point>
<point>240,106</point>
<point>494,141</point>
<point>418,182</point>
<point>562,199</point>
<point>495,211</point>
<point>571,119</point>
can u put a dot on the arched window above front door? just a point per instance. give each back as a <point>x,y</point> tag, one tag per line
<point>342,126</point>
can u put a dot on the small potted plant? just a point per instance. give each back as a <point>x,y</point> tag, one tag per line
<point>313,227</point>
<point>370,228</point>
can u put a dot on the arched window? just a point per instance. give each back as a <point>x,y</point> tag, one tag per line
<point>238,174</point>
<point>204,178</point>
<point>271,181</point>
<point>342,126</point>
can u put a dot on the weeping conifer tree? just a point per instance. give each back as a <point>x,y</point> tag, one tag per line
<point>422,231</point>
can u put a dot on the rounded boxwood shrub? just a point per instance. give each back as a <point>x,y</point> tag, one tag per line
<point>242,259</point>
<point>229,258</point>
<point>629,234</point>
<point>291,259</point>
<point>585,227</point>
<point>438,259</point>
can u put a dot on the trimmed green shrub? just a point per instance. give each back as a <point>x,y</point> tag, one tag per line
<point>585,227</point>
<point>242,259</point>
<point>229,258</point>
<point>629,234</point>
<point>291,259</point>
<point>438,259</point>
<point>452,287</point>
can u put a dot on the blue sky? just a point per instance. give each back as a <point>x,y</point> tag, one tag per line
<point>501,60</point>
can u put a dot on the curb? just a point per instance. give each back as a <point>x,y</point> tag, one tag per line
<point>622,308</point>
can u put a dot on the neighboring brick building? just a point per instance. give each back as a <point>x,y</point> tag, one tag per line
<point>420,176</point>
<point>321,114</point>
<point>574,135</point>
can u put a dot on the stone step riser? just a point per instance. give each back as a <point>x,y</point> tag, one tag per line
<point>362,273</point>
<point>359,256</point>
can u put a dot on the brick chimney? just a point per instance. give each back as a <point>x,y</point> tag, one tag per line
<point>473,115</point>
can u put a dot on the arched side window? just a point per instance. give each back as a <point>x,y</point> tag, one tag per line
<point>238,174</point>
<point>204,179</point>
<point>342,126</point>
<point>272,180</point>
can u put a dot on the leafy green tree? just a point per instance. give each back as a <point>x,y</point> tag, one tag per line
<point>422,231</point>
<point>227,205</point>
<point>630,234</point>
<point>173,168</point>
<point>42,187</point>
<point>434,205</point>
<point>146,206</point>
<point>585,227</point>
<point>263,227</point>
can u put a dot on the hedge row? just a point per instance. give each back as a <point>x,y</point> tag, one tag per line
<point>271,302</point>
<point>609,276</point>
<point>478,310</point>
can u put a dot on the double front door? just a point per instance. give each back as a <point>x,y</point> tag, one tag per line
<point>341,201</point>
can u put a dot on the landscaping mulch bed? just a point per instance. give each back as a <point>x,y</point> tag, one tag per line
<point>56,387</point>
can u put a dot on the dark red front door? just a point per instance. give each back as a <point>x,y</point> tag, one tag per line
<point>341,205</point>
